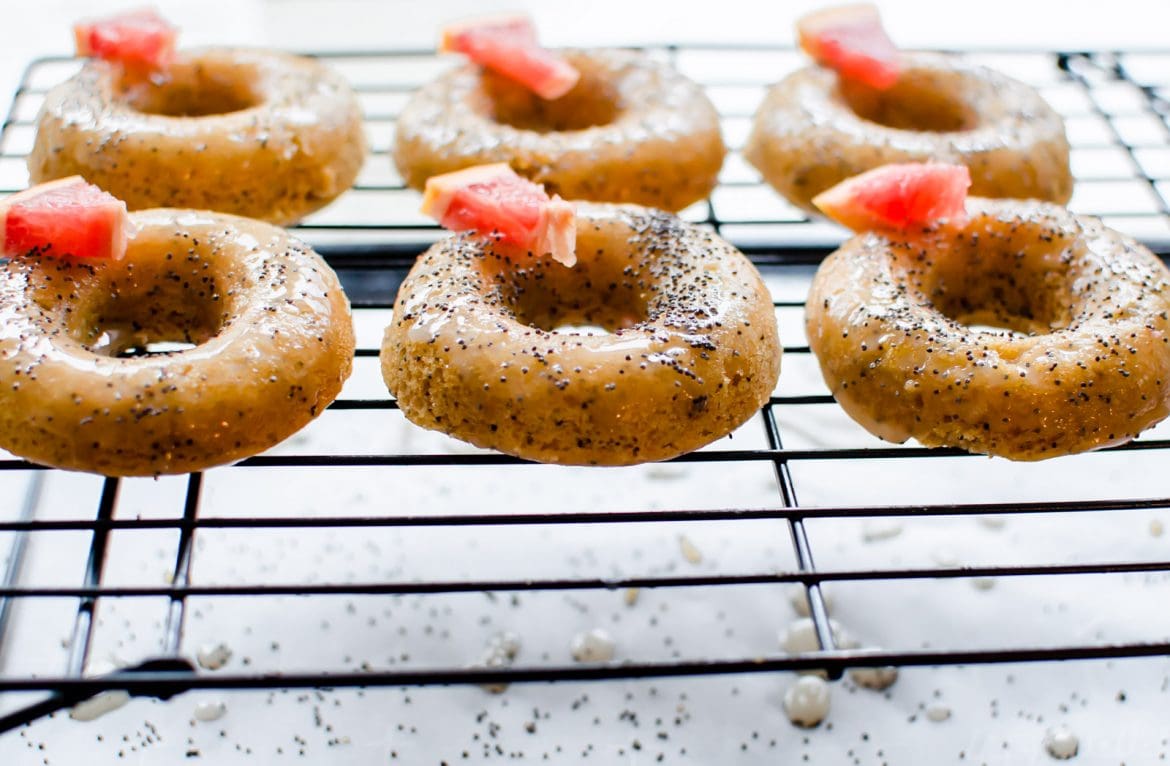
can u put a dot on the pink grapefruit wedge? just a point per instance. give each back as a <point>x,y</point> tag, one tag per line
<point>137,39</point>
<point>67,218</point>
<point>508,45</point>
<point>493,201</point>
<point>899,197</point>
<point>850,40</point>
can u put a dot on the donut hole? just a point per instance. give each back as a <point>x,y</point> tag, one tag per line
<point>149,311</point>
<point>154,348</point>
<point>588,299</point>
<point>581,315</point>
<point>120,330</point>
<point>195,89</point>
<point>580,329</point>
<point>919,101</point>
<point>995,329</point>
<point>994,301</point>
<point>592,102</point>
<point>1003,292</point>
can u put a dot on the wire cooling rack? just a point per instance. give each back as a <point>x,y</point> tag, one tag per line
<point>1116,108</point>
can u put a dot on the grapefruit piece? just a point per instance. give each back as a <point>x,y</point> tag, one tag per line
<point>851,41</point>
<point>67,218</point>
<point>507,45</point>
<point>137,39</point>
<point>493,201</point>
<point>899,197</point>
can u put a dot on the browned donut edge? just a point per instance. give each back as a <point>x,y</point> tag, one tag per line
<point>275,345</point>
<point>1096,376</point>
<point>663,149</point>
<point>702,358</point>
<point>294,151</point>
<point>805,138</point>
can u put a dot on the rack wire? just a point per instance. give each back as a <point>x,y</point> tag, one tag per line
<point>1116,107</point>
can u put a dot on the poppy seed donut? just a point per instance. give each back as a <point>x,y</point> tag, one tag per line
<point>632,130</point>
<point>254,133</point>
<point>814,130</point>
<point>896,326</point>
<point>269,330</point>
<point>691,354</point>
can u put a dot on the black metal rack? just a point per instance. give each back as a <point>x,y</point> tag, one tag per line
<point>371,252</point>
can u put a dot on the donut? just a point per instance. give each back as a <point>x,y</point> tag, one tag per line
<point>904,325</point>
<point>815,129</point>
<point>691,353</point>
<point>260,134</point>
<point>631,130</point>
<point>267,324</point>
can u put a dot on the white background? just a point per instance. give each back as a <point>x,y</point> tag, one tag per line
<point>43,27</point>
<point>999,715</point>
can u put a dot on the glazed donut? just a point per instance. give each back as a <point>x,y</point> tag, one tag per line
<point>692,353</point>
<point>814,130</point>
<point>255,133</point>
<point>271,333</point>
<point>631,130</point>
<point>895,324</point>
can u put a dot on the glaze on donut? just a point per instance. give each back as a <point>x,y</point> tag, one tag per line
<point>631,130</point>
<point>692,350</point>
<point>271,333</point>
<point>814,130</point>
<point>895,324</point>
<point>260,134</point>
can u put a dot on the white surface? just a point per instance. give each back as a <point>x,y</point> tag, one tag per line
<point>43,28</point>
<point>999,714</point>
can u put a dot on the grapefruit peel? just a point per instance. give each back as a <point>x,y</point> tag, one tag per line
<point>507,45</point>
<point>140,39</point>
<point>66,218</point>
<point>495,202</point>
<point>850,40</point>
<point>899,197</point>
